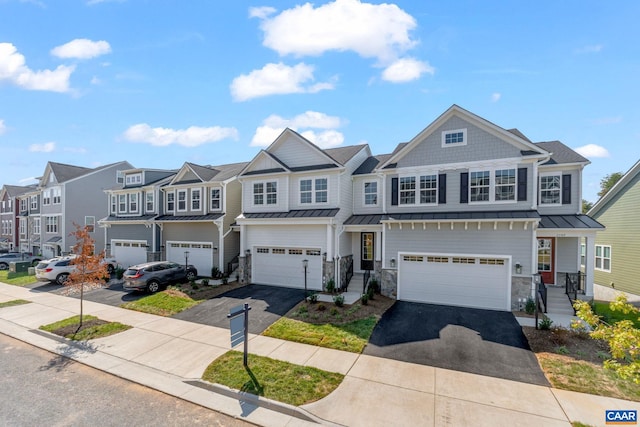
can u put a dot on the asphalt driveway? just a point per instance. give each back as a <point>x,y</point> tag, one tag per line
<point>483,342</point>
<point>268,304</point>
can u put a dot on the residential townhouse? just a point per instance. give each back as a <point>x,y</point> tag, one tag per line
<point>464,214</point>
<point>130,233</point>
<point>200,207</point>
<point>70,195</point>
<point>10,221</point>
<point>616,269</point>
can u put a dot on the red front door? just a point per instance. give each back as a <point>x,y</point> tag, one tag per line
<point>546,259</point>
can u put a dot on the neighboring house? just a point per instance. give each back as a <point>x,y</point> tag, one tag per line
<point>616,267</point>
<point>11,222</point>
<point>464,214</point>
<point>200,206</point>
<point>73,195</point>
<point>295,199</point>
<point>130,233</point>
<point>29,215</point>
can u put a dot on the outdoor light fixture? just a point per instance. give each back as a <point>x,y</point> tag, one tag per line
<point>518,268</point>
<point>305,264</point>
<point>324,256</point>
<point>248,251</point>
<point>186,259</point>
<point>393,263</point>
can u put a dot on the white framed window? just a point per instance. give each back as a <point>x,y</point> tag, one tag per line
<point>51,224</point>
<point>119,176</point>
<point>182,200</point>
<point>371,193</point>
<point>34,202</point>
<point>428,189</point>
<point>23,205</point>
<point>265,193</point>
<point>23,227</point>
<point>90,223</point>
<point>550,189</point>
<point>195,199</point>
<point>479,186</point>
<point>36,225</point>
<point>134,179</point>
<point>57,195</point>
<point>114,204</point>
<point>314,190</point>
<point>452,138</point>
<point>122,203</point>
<point>407,188</point>
<point>603,258</point>
<point>171,201</point>
<point>46,197</point>
<point>133,202</point>
<point>505,185</point>
<point>215,199</point>
<point>149,201</point>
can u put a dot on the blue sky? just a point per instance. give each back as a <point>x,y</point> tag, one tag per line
<point>161,82</point>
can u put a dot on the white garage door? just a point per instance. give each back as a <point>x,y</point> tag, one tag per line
<point>283,267</point>
<point>129,252</point>
<point>200,255</point>
<point>463,280</point>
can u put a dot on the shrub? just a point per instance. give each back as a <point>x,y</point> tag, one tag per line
<point>205,282</point>
<point>194,286</point>
<point>322,307</point>
<point>313,298</point>
<point>338,300</point>
<point>364,299</point>
<point>370,292</point>
<point>334,311</point>
<point>562,350</point>
<point>374,285</point>
<point>120,273</point>
<point>545,324</point>
<point>216,273</point>
<point>530,306</point>
<point>225,280</point>
<point>331,286</point>
<point>302,310</point>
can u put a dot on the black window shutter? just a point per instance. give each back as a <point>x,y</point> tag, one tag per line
<point>442,188</point>
<point>464,187</point>
<point>394,191</point>
<point>566,189</point>
<point>522,184</point>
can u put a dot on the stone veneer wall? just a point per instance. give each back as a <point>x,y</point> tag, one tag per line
<point>327,273</point>
<point>521,287</point>
<point>389,282</point>
<point>244,269</point>
<point>344,265</point>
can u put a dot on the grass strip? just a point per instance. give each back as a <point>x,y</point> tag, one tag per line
<point>352,336</point>
<point>17,279</point>
<point>13,303</point>
<point>92,328</point>
<point>162,304</point>
<point>273,379</point>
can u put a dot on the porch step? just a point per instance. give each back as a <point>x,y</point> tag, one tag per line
<point>558,302</point>
<point>355,284</point>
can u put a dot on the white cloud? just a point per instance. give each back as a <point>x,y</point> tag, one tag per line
<point>275,79</point>
<point>371,30</point>
<point>495,97</point>
<point>14,70</point>
<point>93,2</point>
<point>405,70</point>
<point>261,12</point>
<point>95,80</point>
<point>592,151</point>
<point>82,49</point>
<point>78,150</point>
<point>328,137</point>
<point>190,137</point>
<point>594,48</point>
<point>3,127</point>
<point>47,147</point>
<point>607,121</point>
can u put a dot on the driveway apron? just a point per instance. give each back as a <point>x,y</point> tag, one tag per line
<point>484,342</point>
<point>268,304</point>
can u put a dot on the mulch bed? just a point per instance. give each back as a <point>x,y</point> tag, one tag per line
<point>328,312</point>
<point>204,292</point>
<point>579,345</point>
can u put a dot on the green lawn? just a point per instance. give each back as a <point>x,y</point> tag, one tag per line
<point>19,279</point>
<point>273,379</point>
<point>352,336</point>
<point>165,303</point>
<point>92,328</point>
<point>13,303</point>
<point>602,309</point>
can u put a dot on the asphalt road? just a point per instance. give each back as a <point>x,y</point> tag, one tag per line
<point>39,388</point>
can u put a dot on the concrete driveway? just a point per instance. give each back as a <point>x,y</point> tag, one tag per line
<point>268,304</point>
<point>483,342</point>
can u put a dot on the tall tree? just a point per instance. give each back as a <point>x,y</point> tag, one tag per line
<point>586,206</point>
<point>608,182</point>
<point>89,269</point>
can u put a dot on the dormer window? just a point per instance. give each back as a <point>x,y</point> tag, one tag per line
<point>134,179</point>
<point>452,138</point>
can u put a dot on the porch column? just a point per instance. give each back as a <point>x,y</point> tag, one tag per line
<point>378,248</point>
<point>589,261</point>
<point>243,239</point>
<point>330,249</point>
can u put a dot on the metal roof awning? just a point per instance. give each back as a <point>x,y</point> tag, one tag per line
<point>463,216</point>
<point>208,217</point>
<point>300,213</point>
<point>570,222</point>
<point>55,239</point>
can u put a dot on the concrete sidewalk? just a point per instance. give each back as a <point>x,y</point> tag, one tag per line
<point>170,355</point>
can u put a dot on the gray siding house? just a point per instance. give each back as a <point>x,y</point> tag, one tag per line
<point>130,233</point>
<point>13,222</point>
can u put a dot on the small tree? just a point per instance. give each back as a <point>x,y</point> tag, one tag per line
<point>608,182</point>
<point>623,337</point>
<point>90,270</point>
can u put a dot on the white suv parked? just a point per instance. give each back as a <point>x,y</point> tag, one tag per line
<point>58,269</point>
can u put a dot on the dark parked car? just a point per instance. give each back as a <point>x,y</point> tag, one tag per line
<point>152,276</point>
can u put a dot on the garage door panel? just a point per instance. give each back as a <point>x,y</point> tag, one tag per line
<point>200,255</point>
<point>129,253</point>
<point>469,281</point>
<point>283,267</point>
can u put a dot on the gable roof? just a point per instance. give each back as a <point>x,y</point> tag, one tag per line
<point>514,136</point>
<point>64,172</point>
<point>372,162</point>
<point>615,190</point>
<point>561,154</point>
<point>208,173</point>
<point>343,154</point>
<point>17,190</point>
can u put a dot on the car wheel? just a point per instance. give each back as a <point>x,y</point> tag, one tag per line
<point>153,286</point>
<point>4,266</point>
<point>110,269</point>
<point>191,275</point>
<point>62,278</point>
